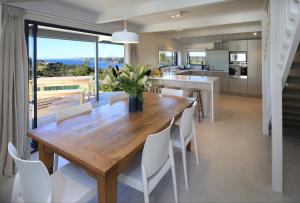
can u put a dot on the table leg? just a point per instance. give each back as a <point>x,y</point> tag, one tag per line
<point>107,188</point>
<point>46,157</point>
<point>189,146</point>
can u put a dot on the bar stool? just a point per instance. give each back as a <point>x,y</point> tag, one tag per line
<point>156,88</point>
<point>198,99</point>
<point>172,87</point>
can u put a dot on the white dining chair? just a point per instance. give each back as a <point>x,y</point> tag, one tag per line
<point>187,132</point>
<point>33,183</point>
<point>157,159</point>
<point>117,97</point>
<point>172,92</point>
<point>68,112</point>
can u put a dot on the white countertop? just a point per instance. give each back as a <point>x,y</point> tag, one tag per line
<point>187,78</point>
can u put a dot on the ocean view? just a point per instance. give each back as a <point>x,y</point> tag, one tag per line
<point>103,63</point>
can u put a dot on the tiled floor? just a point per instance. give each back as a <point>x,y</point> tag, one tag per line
<point>235,162</point>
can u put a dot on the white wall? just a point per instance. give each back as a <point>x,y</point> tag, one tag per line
<point>151,43</point>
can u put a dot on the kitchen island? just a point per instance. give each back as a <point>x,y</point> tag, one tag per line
<point>210,89</point>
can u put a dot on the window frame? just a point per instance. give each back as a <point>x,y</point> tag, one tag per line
<point>189,58</point>
<point>174,58</point>
<point>35,24</point>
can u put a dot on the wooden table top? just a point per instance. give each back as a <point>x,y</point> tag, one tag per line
<point>103,138</point>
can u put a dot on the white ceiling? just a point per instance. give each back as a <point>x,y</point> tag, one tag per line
<point>218,37</point>
<point>199,16</point>
<point>202,11</point>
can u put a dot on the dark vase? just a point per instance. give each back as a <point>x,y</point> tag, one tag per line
<point>135,104</point>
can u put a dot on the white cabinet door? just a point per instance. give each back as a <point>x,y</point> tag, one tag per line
<point>224,84</point>
<point>242,45</point>
<point>232,45</point>
<point>252,67</point>
<point>238,86</point>
<point>259,59</point>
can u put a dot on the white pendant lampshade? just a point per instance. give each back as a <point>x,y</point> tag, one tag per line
<point>125,37</point>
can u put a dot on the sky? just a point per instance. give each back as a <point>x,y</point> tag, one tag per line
<point>66,49</point>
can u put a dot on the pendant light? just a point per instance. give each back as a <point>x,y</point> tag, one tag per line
<point>125,36</point>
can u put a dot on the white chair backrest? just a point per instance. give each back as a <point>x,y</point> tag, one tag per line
<point>118,97</point>
<point>68,112</point>
<point>187,119</point>
<point>156,151</point>
<point>34,178</point>
<point>172,92</point>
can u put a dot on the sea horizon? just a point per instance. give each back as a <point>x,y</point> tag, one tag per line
<point>80,61</point>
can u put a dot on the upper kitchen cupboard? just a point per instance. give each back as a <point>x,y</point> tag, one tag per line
<point>239,45</point>
<point>254,67</point>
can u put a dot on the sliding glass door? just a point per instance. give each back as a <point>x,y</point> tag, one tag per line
<point>63,69</point>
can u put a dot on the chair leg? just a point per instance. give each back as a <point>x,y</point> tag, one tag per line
<point>17,189</point>
<point>201,105</point>
<point>146,197</point>
<point>55,162</point>
<point>198,107</point>
<point>195,144</point>
<point>184,167</point>
<point>173,172</point>
<point>145,185</point>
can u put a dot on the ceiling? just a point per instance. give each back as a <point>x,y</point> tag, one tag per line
<point>224,17</point>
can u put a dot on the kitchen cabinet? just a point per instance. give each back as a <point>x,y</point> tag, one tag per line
<point>254,67</point>
<point>223,79</point>
<point>240,45</point>
<point>237,85</point>
<point>232,45</point>
<point>259,53</point>
<point>224,84</point>
<point>243,45</point>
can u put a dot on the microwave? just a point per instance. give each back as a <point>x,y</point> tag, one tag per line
<point>237,57</point>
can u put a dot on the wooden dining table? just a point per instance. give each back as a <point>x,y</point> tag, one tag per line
<point>105,140</point>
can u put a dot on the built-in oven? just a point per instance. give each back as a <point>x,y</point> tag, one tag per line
<point>238,64</point>
<point>237,57</point>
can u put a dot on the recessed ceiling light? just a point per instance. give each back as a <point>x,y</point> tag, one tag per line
<point>255,33</point>
<point>177,15</point>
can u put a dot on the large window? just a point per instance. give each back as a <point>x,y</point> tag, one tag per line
<point>167,58</point>
<point>64,68</point>
<point>196,57</point>
<point>110,55</point>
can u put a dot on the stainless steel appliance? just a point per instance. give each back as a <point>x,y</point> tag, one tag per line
<point>238,64</point>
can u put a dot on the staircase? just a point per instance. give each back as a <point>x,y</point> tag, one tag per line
<point>291,96</point>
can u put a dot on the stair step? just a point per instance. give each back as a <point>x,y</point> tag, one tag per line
<point>291,88</point>
<point>294,111</point>
<point>290,116</point>
<point>295,66</point>
<point>293,80</point>
<point>297,57</point>
<point>291,104</point>
<point>294,72</point>
<point>290,96</point>
<point>291,123</point>
<point>288,126</point>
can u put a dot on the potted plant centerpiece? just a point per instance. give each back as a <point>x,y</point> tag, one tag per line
<point>133,81</point>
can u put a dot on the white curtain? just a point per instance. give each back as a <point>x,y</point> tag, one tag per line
<point>13,86</point>
<point>132,54</point>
